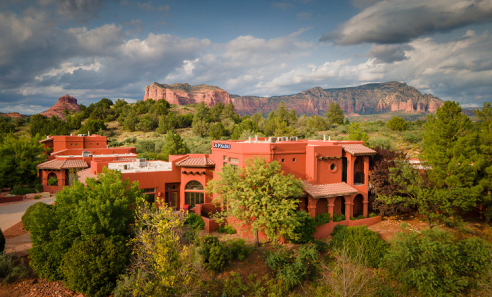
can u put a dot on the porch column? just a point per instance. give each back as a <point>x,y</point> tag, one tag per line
<point>350,169</point>
<point>312,207</point>
<point>365,210</point>
<point>366,171</point>
<point>331,205</point>
<point>348,209</point>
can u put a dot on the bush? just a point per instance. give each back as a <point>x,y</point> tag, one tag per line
<point>353,238</point>
<point>303,233</point>
<point>195,221</point>
<point>227,229</point>
<point>93,263</point>
<point>320,246</point>
<point>12,268</point>
<point>52,181</point>
<point>216,255</point>
<point>20,190</point>
<point>372,215</point>
<point>237,248</point>
<point>338,218</point>
<point>397,124</point>
<point>382,142</point>
<point>290,269</point>
<point>27,216</point>
<point>2,242</point>
<point>322,219</point>
<point>436,264</point>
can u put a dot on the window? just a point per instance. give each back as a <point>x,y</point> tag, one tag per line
<point>333,167</point>
<point>194,193</point>
<point>150,195</point>
<point>283,160</point>
<point>293,159</point>
<point>225,158</point>
<point>171,187</point>
<point>233,160</point>
<point>149,190</point>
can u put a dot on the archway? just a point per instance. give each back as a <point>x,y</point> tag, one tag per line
<point>194,193</point>
<point>358,205</point>
<point>52,179</point>
<point>339,207</point>
<point>321,206</point>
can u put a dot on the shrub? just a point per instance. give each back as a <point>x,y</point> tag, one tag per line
<point>338,218</point>
<point>322,219</point>
<point>217,255</point>
<point>227,229</point>
<point>372,215</point>
<point>292,269</point>
<point>195,221</point>
<point>93,263</point>
<point>37,197</point>
<point>360,217</point>
<point>237,248</point>
<point>2,242</point>
<point>436,264</point>
<point>303,233</point>
<point>12,268</point>
<point>20,190</point>
<point>52,181</point>
<point>38,187</point>
<point>27,216</point>
<point>373,247</point>
<point>397,124</point>
<point>382,142</point>
<point>320,246</point>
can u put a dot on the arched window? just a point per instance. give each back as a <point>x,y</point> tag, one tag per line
<point>194,193</point>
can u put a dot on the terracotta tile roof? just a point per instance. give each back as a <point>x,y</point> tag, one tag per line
<point>328,190</point>
<point>46,140</point>
<point>63,164</point>
<point>196,162</point>
<point>358,150</point>
<point>84,174</point>
<point>126,159</point>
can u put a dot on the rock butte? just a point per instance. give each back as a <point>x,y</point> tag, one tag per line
<point>64,103</point>
<point>365,99</point>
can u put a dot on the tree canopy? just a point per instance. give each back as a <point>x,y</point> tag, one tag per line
<point>258,195</point>
<point>334,114</point>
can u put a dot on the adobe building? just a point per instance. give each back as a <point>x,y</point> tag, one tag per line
<point>334,173</point>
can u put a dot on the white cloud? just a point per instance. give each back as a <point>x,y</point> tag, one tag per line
<point>397,21</point>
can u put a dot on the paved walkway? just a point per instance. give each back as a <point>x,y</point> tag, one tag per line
<point>11,213</point>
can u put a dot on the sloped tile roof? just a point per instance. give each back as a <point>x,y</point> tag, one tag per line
<point>46,140</point>
<point>63,164</point>
<point>328,190</point>
<point>84,174</point>
<point>358,150</point>
<point>126,159</point>
<point>196,162</point>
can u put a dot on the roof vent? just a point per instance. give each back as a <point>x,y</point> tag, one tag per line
<point>293,138</point>
<point>271,139</point>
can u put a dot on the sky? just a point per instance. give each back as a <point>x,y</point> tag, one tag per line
<point>93,49</point>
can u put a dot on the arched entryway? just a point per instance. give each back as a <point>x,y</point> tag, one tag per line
<point>194,193</point>
<point>52,179</point>
<point>358,205</point>
<point>321,206</point>
<point>339,207</point>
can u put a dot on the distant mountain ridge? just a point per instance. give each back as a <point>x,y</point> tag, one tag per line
<point>364,99</point>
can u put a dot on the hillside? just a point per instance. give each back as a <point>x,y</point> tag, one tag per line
<point>365,99</point>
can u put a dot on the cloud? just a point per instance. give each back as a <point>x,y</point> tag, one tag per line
<point>80,10</point>
<point>399,21</point>
<point>147,6</point>
<point>389,53</point>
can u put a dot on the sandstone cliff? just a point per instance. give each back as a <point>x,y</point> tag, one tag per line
<point>64,103</point>
<point>365,99</point>
<point>180,94</point>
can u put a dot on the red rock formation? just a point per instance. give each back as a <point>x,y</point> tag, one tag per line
<point>180,94</point>
<point>14,115</point>
<point>64,103</point>
<point>365,99</point>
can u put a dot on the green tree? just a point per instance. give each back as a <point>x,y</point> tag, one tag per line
<point>92,126</point>
<point>40,124</point>
<point>216,131</point>
<point>105,206</point>
<point>356,132</point>
<point>200,127</point>
<point>260,196</point>
<point>397,124</point>
<point>334,114</point>
<point>19,157</point>
<point>435,264</point>
<point>161,265</point>
<point>6,125</point>
<point>485,163</point>
<point>174,145</point>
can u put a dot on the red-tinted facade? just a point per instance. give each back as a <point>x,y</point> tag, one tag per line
<point>334,173</point>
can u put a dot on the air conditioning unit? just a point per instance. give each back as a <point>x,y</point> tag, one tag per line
<point>86,154</point>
